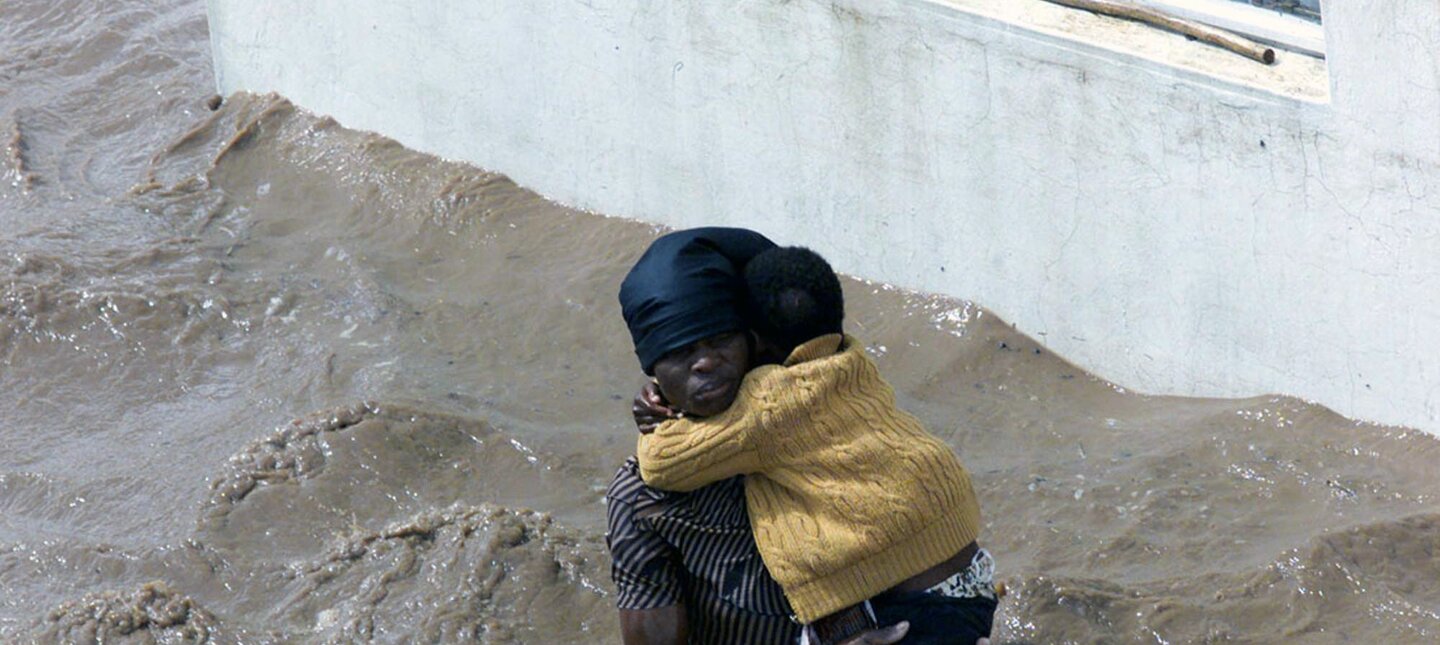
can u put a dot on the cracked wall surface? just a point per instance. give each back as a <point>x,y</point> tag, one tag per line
<point>1173,217</point>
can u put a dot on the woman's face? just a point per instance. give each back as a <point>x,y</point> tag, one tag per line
<point>702,378</point>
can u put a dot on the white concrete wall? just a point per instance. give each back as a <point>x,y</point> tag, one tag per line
<point>1174,218</point>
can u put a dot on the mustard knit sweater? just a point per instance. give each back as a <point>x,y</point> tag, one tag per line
<point>848,495</point>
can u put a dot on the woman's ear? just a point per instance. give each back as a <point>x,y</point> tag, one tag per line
<point>763,352</point>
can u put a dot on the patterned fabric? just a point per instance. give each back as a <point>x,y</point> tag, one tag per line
<point>976,581</point>
<point>694,548</point>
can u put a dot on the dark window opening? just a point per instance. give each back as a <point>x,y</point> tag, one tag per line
<point>1307,9</point>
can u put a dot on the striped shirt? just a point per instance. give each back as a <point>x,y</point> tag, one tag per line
<point>694,548</point>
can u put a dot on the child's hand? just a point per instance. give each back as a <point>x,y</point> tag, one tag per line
<point>651,409</point>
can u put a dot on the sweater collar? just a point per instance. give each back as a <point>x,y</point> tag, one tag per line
<point>819,347</point>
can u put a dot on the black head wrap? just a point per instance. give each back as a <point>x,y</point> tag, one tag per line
<point>687,287</point>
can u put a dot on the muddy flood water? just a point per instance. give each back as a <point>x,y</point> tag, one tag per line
<point>264,379</point>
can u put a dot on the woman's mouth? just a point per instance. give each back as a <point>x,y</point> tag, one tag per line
<point>712,390</point>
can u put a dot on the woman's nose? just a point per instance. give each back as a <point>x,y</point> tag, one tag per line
<point>704,362</point>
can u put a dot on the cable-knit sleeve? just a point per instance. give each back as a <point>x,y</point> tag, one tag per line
<point>685,454</point>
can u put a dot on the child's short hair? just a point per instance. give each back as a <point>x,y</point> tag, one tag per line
<point>794,296</point>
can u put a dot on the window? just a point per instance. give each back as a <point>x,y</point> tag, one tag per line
<point>1288,24</point>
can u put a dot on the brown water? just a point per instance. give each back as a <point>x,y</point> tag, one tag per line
<point>266,379</point>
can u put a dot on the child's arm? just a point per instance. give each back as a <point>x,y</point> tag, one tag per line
<point>685,454</point>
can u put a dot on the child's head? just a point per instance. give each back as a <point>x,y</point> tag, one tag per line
<point>794,296</point>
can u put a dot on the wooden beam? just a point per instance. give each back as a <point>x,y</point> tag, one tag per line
<point>1201,32</point>
<point>1257,23</point>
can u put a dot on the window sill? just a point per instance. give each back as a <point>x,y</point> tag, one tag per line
<point>1294,75</point>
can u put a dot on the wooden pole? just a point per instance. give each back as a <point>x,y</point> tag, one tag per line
<point>1200,32</point>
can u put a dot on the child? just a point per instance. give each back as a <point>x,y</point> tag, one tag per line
<point>850,499</point>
